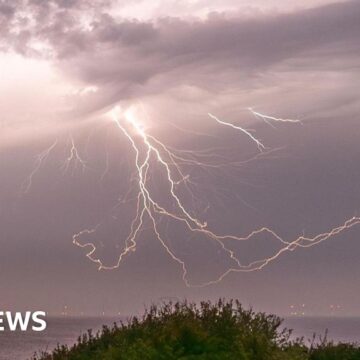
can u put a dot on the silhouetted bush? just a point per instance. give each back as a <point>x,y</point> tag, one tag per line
<point>185,331</point>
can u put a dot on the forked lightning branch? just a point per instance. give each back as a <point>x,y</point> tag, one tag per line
<point>151,155</point>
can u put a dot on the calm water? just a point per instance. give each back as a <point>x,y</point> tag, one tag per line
<point>21,346</point>
<point>65,330</point>
<point>345,329</point>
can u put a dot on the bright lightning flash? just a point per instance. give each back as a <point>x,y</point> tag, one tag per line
<point>150,154</point>
<point>40,159</point>
<point>74,159</point>
<point>268,119</point>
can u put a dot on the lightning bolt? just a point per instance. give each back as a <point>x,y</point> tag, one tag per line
<point>258,143</point>
<point>268,119</point>
<point>74,160</point>
<point>153,156</point>
<point>40,159</point>
<point>149,150</point>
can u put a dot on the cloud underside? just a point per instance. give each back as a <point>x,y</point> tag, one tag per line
<point>128,59</point>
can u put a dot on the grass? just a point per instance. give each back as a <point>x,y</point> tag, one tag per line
<point>185,331</point>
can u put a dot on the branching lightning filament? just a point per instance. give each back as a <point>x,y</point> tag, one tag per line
<point>150,155</point>
<point>40,159</point>
<point>170,161</point>
<point>74,159</point>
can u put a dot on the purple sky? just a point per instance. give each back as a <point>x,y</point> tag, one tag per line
<point>69,68</point>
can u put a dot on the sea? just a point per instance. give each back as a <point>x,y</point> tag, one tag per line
<point>65,330</point>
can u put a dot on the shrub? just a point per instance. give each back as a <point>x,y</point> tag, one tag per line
<point>185,331</point>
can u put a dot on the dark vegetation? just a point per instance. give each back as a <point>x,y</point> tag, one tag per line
<point>184,331</point>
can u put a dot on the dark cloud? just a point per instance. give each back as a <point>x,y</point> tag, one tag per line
<point>126,54</point>
<point>126,57</point>
<point>222,55</point>
<point>251,43</point>
<point>6,9</point>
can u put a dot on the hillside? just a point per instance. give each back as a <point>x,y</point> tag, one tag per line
<point>185,331</point>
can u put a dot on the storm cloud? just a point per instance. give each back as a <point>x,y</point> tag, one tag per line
<point>129,59</point>
<point>66,63</point>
